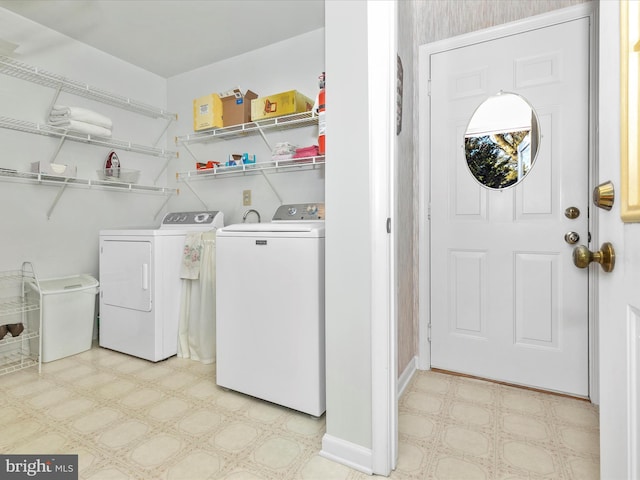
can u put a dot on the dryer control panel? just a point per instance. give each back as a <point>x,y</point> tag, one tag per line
<point>299,211</point>
<point>203,219</point>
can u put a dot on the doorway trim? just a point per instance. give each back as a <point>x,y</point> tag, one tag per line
<point>424,194</point>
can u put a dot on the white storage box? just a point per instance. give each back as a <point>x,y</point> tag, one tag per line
<point>68,314</point>
<point>54,169</point>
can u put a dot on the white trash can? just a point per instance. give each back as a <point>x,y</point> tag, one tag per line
<point>68,314</point>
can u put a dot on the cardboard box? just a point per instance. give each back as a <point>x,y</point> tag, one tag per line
<point>207,112</point>
<point>56,169</point>
<point>284,103</point>
<point>236,107</point>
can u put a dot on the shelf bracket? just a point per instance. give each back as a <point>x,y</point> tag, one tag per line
<point>164,167</point>
<point>57,151</point>
<point>54,100</point>
<point>186,182</point>
<point>272,187</point>
<point>162,206</point>
<point>190,152</point>
<point>264,138</point>
<point>162,133</point>
<point>55,200</point>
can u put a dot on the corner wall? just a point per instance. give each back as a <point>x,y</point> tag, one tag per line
<point>348,244</point>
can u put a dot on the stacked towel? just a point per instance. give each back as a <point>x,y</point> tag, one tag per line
<point>80,120</point>
<point>283,151</point>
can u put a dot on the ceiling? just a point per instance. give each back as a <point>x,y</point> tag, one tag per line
<point>169,37</point>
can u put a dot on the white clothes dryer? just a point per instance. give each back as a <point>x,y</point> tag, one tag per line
<point>270,308</point>
<point>140,284</point>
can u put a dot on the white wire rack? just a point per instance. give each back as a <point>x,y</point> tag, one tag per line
<point>15,305</point>
<point>52,131</point>
<point>296,120</point>
<point>12,67</point>
<point>293,163</point>
<point>22,351</point>
<point>82,182</point>
<point>64,182</point>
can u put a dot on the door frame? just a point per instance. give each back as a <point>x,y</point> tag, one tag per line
<point>382,53</point>
<point>424,144</point>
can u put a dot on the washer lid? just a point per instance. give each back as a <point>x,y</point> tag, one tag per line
<point>312,228</point>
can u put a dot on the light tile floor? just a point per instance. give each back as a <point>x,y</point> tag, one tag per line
<point>131,419</point>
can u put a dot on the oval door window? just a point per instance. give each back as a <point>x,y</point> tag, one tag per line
<point>501,141</point>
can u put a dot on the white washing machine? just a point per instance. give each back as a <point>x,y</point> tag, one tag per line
<point>270,308</point>
<point>140,284</point>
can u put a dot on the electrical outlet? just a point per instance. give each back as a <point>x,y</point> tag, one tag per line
<point>246,198</point>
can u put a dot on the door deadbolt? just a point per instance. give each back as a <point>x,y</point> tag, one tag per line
<point>606,257</point>
<point>572,213</point>
<point>603,195</point>
<point>571,238</point>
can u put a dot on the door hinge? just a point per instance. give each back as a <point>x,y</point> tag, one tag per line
<point>388,224</point>
<point>429,87</point>
<point>429,212</point>
<point>429,333</point>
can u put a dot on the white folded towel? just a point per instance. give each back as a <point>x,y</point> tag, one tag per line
<point>81,127</point>
<point>80,114</point>
<point>191,256</point>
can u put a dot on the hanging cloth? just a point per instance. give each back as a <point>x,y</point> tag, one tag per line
<point>197,327</point>
<point>191,256</point>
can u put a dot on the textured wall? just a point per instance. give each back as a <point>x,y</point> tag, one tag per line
<point>421,22</point>
<point>406,250</point>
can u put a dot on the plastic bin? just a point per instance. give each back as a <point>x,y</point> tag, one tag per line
<point>68,314</point>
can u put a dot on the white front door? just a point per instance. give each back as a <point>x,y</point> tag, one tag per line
<point>507,303</point>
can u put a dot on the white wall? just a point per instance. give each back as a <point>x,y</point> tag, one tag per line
<point>67,243</point>
<point>348,244</point>
<point>294,64</point>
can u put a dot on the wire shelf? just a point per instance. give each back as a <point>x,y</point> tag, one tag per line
<point>52,131</point>
<point>12,67</point>
<point>81,182</point>
<point>293,163</point>
<point>17,361</point>
<point>11,276</point>
<point>296,120</point>
<point>15,305</point>
<point>23,350</point>
<point>8,339</point>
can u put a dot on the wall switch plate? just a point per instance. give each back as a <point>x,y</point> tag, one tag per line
<point>246,198</point>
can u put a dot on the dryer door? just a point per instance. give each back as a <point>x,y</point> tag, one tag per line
<point>126,270</point>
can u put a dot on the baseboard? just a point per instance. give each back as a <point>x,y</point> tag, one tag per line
<point>407,375</point>
<point>347,453</point>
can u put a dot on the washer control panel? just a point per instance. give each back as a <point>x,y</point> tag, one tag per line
<point>299,211</point>
<point>203,219</point>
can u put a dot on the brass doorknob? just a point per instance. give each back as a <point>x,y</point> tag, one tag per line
<point>606,257</point>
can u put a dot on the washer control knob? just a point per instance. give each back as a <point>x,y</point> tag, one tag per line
<point>292,211</point>
<point>312,209</point>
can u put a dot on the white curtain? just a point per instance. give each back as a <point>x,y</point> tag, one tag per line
<point>197,328</point>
